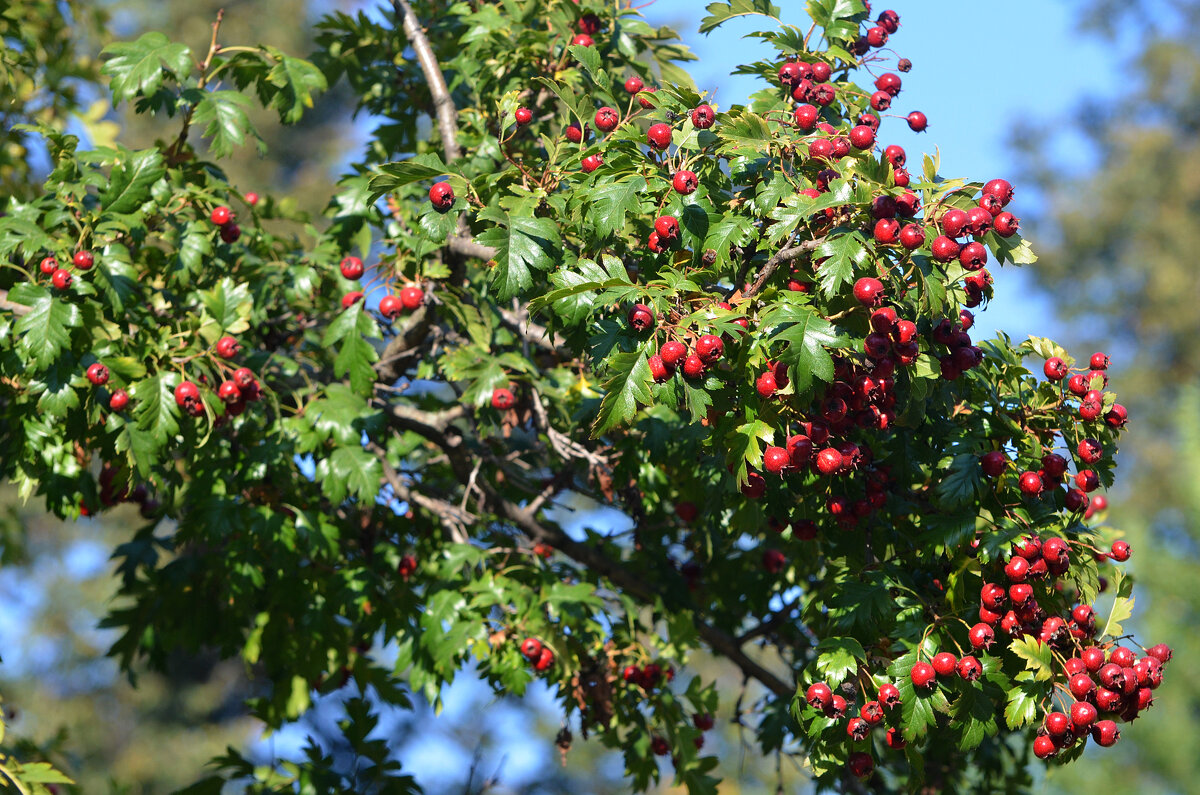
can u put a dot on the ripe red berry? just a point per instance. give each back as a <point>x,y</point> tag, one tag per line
<point>862,137</point>
<point>583,40</point>
<point>634,85</point>
<point>1030,484</point>
<point>545,660</point>
<point>442,196</point>
<point>943,663</point>
<point>523,116</point>
<point>1055,368</point>
<point>667,228</point>
<point>1083,715</point>
<point>1020,593</point>
<point>227,347</point>
<point>351,298</point>
<point>503,399</point>
<point>61,279</point>
<point>97,374</point>
<point>390,306</point>
<point>773,560</point>
<point>754,487</point>
<point>858,729</point>
<point>185,392</point>
<point>641,318</point>
<point>659,136</point>
<point>1119,551</point>
<point>687,511</point>
<point>944,248</point>
<point>877,36</point>
<point>221,215</point>
<point>895,155</point>
<point>922,675</point>
<point>868,291</point>
<point>981,636</point>
<point>1081,685</point>
<point>684,182</point>
<point>1017,569</point>
<point>709,348</point>
<point>693,367</point>
<point>887,230</point>
<point>672,352</point>
<point>1161,652</point>
<point>994,463</point>
<point>829,461</point>
<point>228,392</point>
<point>775,459</point>
<point>954,221</point>
<point>765,385</point>
<point>999,188</point>
<point>703,117</point>
<point>819,696</point>
<point>1044,747</point>
<point>352,267</point>
<point>889,695</point>
<point>411,297</point>
<point>860,764</point>
<point>575,133</point>
<point>805,117</point>
<point>969,669</point>
<point>1105,733</point>
<point>917,121</point>
<point>912,237</point>
<point>118,400</point>
<point>591,163</point>
<point>973,256</point>
<point>48,265</point>
<point>251,198</point>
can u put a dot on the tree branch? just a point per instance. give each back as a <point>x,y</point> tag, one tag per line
<point>443,105</point>
<point>782,256</point>
<point>9,306</point>
<point>408,337</point>
<point>466,247</point>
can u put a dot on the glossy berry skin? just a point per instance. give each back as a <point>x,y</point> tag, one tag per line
<point>895,155</point>
<point>641,318</point>
<point>889,695</point>
<point>775,459</point>
<point>819,696</point>
<point>352,268</point>
<point>1119,551</point>
<point>858,729</point>
<point>703,117</point>
<point>185,392</point>
<point>912,237</point>
<point>673,352</point>
<point>829,461</point>
<point>230,233</point>
<point>868,291</point>
<point>981,637</point>
<point>97,374</point>
<point>634,85</point>
<point>658,369</point>
<point>1105,733</point>
<point>575,133</point>
<point>943,663</point>
<point>765,385</point>
<point>1030,484</point>
<point>544,660</point>
<point>805,117</point>
<point>607,119</point>
<point>877,36</point>
<point>1083,715</point>
<point>390,306</point>
<point>954,221</point>
<point>531,648</point>
<point>441,195</point>
<point>944,248</point>
<point>917,121</point>
<point>411,297</point>
<point>1044,747</point>
<point>667,228</point>
<point>503,399</point>
<point>1017,569</point>
<point>973,256</point>
<point>351,298</point>
<point>709,348</point>
<point>872,713</point>
<point>118,400</point>
<point>969,669</point>
<point>229,392</point>
<point>251,198</point>
<point>1006,224</point>
<point>659,136</point>
<point>887,230</point>
<point>1081,685</point>
<point>922,675</point>
<point>48,265</point>
<point>523,116</point>
<point>862,137</point>
<point>1000,188</point>
<point>693,367</point>
<point>684,182</point>
<point>1055,369</point>
<point>994,463</point>
<point>220,215</point>
<point>61,279</point>
<point>227,347</point>
<point>583,40</point>
<point>1161,652</point>
<point>591,163</point>
<point>889,82</point>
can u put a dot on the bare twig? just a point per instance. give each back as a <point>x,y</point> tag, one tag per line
<point>443,104</point>
<point>466,247</point>
<point>454,519</point>
<point>530,332</point>
<point>782,256</point>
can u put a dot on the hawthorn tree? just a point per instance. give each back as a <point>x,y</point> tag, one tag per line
<point>558,277</point>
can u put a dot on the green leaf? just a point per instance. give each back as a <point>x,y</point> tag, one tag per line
<point>731,230</point>
<point>44,331</point>
<point>973,714</point>
<point>837,658</point>
<point>296,80</point>
<point>919,710</point>
<point>576,293</point>
<point>155,408</point>
<point>225,119</point>
<point>845,253</point>
<point>722,12</point>
<point>140,67</point>
<point>1122,609</point>
<point>959,481</point>
<point>609,204</point>
<point>399,173</point>
<point>1037,656</point>
<point>229,304</point>
<point>806,335</point>
<point>625,390</point>
<point>129,183</point>
<point>1022,705</point>
<point>745,134</point>
<point>521,243</point>
<point>349,471</point>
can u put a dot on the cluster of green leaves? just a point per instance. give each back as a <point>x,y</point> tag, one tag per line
<point>378,493</point>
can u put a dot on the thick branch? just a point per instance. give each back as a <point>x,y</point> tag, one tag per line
<point>9,306</point>
<point>443,105</point>
<point>469,248</point>
<point>520,324</point>
<point>392,361</point>
<point>782,256</point>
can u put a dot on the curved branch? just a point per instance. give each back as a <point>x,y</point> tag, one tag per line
<point>443,105</point>
<point>782,256</point>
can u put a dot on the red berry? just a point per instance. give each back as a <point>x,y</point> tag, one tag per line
<point>912,237</point>
<point>860,764</point>
<point>894,739</point>
<point>1055,369</point>
<point>672,352</point>
<point>61,279</point>
<point>993,463</point>
<point>531,648</point>
<point>659,136</point>
<point>773,560</point>
<point>862,137</point>
<point>922,675</point>
<point>973,256</point>
<point>1044,747</point>
<point>829,461</point>
<point>221,215</point>
<point>1017,569</point>
<point>352,267</point>
<point>390,306</point>
<point>1083,715</point>
<point>251,198</point>
<point>1161,652</point>
<point>819,696</point>
<point>693,367</point>
<point>868,291</point>
<point>591,163</point>
<point>442,196</point>
<point>230,233</point>
<point>227,347</point>
<point>352,298</point>
<point>583,40</point>
<point>186,392</point>
<point>575,133</point>
<point>684,182</point>
<point>877,36</point>
<point>118,400</point>
<point>775,459</point>
<point>411,297</point>
<point>641,318</point>
<point>1105,733</point>
<point>1006,224</point>
<point>523,116</point>
<point>1081,685</point>
<point>1030,483</point>
<point>944,249</point>
<point>999,188</point>
<point>981,636</point>
<point>1119,551</point>
<point>545,660</point>
<point>229,392</point>
<point>889,82</point>
<point>703,117</point>
<point>954,221</point>
<point>48,265</point>
<point>969,669</point>
<point>895,155</point>
<point>917,121</point>
<point>503,399</point>
<point>97,374</point>
<point>889,695</point>
<point>243,377</point>
<point>943,663</point>
<point>634,85</point>
<point>805,117</point>
<point>709,348</point>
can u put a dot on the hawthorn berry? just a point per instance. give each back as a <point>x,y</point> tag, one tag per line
<point>862,137</point>
<point>523,116</point>
<point>48,265</point>
<point>944,248</point>
<point>993,463</point>
<point>411,297</point>
<point>858,729</point>
<point>229,392</point>
<point>703,117</point>
<point>390,306</point>
<point>659,136</point>
<point>805,117</point>
<point>886,230</point>
<point>1006,224</point>
<point>981,636</point>
<point>693,367</point>
<point>441,195</point>
<point>944,662</point>
<point>243,377</point>
<point>917,121</point>
<point>1083,715</point>
<point>672,352</point>
<point>684,182</point>
<point>766,385</point>
<point>819,696</point>
<point>895,155</point>
<point>503,399</point>
<point>1000,188</point>
<point>634,85</point>
<point>583,40</point>
<point>1161,652</point>
<point>574,133</point>
<point>829,461</point>
<point>709,348</point>
<point>220,215</point>
<point>773,560</point>
<point>1081,685</point>
<point>1044,747</point>
<point>641,318</point>
<point>531,648</point>
<point>775,459</point>
<point>860,764</point>
<point>821,71</point>
<point>97,374</point>
<point>186,392</point>
<point>922,675</point>
<point>251,198</point>
<point>230,233</point>
<point>1105,733</point>
<point>591,163</point>
<point>61,279</point>
<point>351,298</point>
<point>118,400</point>
<point>912,237</point>
<point>1030,484</point>
<point>969,669</point>
<point>1055,369</point>
<point>544,660</point>
<point>227,347</point>
<point>868,291</point>
<point>1119,551</point>
<point>889,695</point>
<point>352,267</point>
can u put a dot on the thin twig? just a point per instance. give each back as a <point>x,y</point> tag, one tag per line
<point>443,104</point>
<point>782,256</point>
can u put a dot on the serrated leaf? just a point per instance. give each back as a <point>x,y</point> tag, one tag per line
<point>806,335</point>
<point>845,253</point>
<point>578,288</point>
<point>399,173</point>
<point>45,330</point>
<point>1022,704</point>
<point>296,80</point>
<point>155,408</point>
<point>1037,656</point>
<point>1122,609</point>
<point>973,714</point>
<point>731,230</point>
<point>139,67</point>
<point>609,204</point>
<point>918,710</point>
<point>349,471</point>
<point>628,388</point>
<point>744,134</point>
<point>225,119</point>
<point>837,658</point>
<point>129,183</point>
<point>719,13</point>
<point>521,243</point>
<point>959,481</point>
